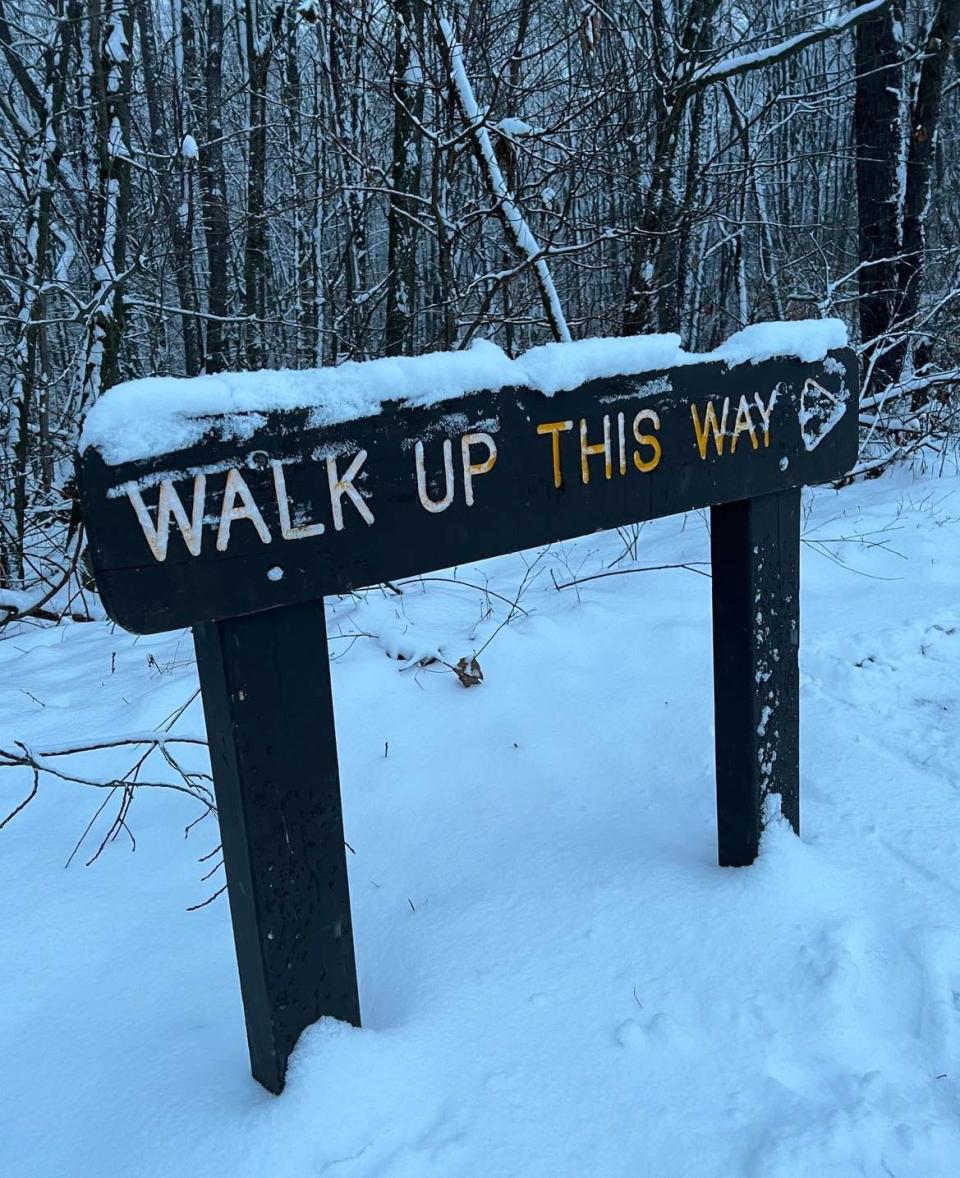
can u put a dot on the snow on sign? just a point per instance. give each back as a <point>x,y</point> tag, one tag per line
<point>233,504</point>
<point>269,507</point>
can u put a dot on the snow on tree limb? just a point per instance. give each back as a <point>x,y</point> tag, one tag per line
<point>743,63</point>
<point>516,226</point>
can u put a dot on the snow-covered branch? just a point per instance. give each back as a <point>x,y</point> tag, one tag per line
<point>743,63</point>
<point>516,226</point>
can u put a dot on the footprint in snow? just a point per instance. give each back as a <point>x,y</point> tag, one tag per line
<point>662,1030</point>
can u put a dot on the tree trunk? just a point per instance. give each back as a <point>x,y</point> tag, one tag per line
<point>174,187</point>
<point>111,39</point>
<point>924,126</point>
<point>876,120</point>
<point>208,98</point>
<point>41,154</point>
<point>405,175</point>
<point>259,51</point>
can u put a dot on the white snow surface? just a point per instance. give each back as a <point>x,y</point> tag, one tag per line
<point>557,979</point>
<point>158,415</point>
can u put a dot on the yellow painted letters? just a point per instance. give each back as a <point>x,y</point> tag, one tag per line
<point>743,425</point>
<point>651,463</point>
<point>555,428</point>
<point>599,448</point>
<point>470,469</point>
<point>766,412</point>
<point>710,427</point>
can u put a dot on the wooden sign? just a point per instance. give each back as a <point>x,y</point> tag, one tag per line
<point>295,512</point>
<point>242,534</point>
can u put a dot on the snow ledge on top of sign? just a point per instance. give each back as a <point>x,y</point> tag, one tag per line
<point>162,414</point>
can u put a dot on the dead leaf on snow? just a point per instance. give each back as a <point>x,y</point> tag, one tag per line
<point>468,672</point>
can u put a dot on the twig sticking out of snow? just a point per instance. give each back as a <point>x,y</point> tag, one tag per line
<point>49,761</point>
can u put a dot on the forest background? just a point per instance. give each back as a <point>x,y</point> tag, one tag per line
<point>192,186</point>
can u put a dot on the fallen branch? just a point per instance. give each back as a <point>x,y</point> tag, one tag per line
<point>39,760</point>
<point>690,566</point>
<point>55,761</point>
<point>467,585</point>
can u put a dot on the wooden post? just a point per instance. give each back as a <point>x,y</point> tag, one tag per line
<point>269,709</point>
<point>755,549</point>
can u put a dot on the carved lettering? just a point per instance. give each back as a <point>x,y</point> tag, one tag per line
<point>287,530</point>
<point>471,469</point>
<point>766,412</point>
<point>647,464</point>
<point>231,510</point>
<point>743,425</point>
<point>168,505</point>
<point>341,485</point>
<point>435,505</point>
<point>710,427</point>
<point>555,428</point>
<point>587,450</point>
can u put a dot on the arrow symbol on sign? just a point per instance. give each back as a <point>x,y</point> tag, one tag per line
<point>820,410</point>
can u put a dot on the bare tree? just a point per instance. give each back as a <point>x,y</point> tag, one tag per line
<point>193,185</point>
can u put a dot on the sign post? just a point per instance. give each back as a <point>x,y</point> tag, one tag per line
<point>755,559</point>
<point>265,680</point>
<point>242,530</point>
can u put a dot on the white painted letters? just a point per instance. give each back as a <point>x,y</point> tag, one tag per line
<point>628,439</point>
<point>435,505</point>
<point>287,531</point>
<point>235,489</point>
<point>169,504</point>
<point>343,485</point>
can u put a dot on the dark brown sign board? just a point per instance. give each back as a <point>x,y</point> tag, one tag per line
<point>241,539</point>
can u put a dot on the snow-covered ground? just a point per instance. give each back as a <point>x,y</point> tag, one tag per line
<point>556,978</point>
